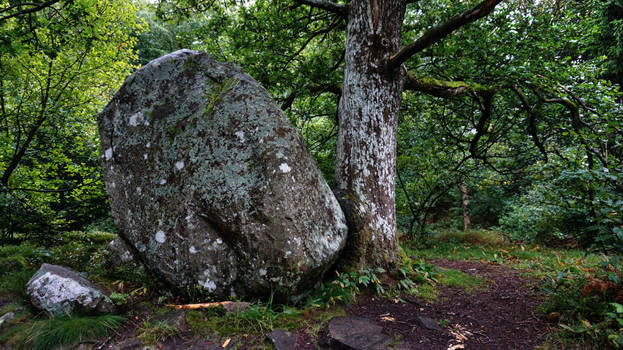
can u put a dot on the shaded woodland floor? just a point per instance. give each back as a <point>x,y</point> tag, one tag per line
<point>499,313</point>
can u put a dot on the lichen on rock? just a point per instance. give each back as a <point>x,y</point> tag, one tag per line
<point>61,292</point>
<point>230,199</point>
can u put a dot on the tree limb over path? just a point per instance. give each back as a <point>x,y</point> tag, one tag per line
<point>339,9</point>
<point>438,33</point>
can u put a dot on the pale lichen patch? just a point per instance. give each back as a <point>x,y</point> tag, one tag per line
<point>135,117</point>
<point>161,236</point>
<point>240,135</point>
<point>285,168</point>
<point>179,165</point>
<point>108,154</point>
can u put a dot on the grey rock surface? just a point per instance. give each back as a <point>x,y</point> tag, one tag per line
<point>357,333</point>
<point>211,183</point>
<point>6,318</point>
<point>427,323</point>
<point>118,254</point>
<point>62,291</point>
<point>282,340</point>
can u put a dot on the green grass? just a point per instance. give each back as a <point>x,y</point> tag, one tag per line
<point>54,332</point>
<point>429,291</point>
<point>534,260</point>
<point>259,319</point>
<point>154,332</point>
<point>456,278</point>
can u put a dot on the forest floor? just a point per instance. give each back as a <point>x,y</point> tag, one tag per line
<point>496,309</point>
<point>480,295</point>
<point>499,314</point>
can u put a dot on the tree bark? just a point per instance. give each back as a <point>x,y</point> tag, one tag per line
<point>366,146</point>
<point>467,222</point>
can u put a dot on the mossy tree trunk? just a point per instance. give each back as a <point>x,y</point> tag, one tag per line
<point>368,116</point>
<point>374,80</point>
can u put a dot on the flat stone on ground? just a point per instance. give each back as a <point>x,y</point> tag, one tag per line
<point>282,340</point>
<point>357,333</point>
<point>427,323</point>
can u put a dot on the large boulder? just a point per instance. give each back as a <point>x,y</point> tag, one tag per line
<point>62,291</point>
<point>118,255</point>
<point>212,185</point>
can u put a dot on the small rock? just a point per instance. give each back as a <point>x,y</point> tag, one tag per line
<point>357,333</point>
<point>283,340</point>
<point>62,291</point>
<point>236,307</point>
<point>176,318</point>
<point>6,318</point>
<point>427,323</point>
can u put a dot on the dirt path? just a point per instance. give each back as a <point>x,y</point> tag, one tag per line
<point>501,316</point>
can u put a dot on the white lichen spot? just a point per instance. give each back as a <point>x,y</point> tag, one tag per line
<point>139,190</point>
<point>366,172</point>
<point>192,249</point>
<point>179,165</point>
<point>285,168</point>
<point>160,237</point>
<point>240,135</point>
<point>144,155</point>
<point>219,241</point>
<point>208,284</point>
<point>163,181</point>
<point>135,117</point>
<point>288,253</point>
<point>263,272</point>
<point>148,144</point>
<point>108,153</point>
<point>113,185</point>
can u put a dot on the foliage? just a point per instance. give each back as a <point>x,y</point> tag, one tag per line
<point>58,66</point>
<point>587,303</point>
<point>54,332</point>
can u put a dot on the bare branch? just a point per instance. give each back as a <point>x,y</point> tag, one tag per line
<point>438,33</point>
<point>339,9</point>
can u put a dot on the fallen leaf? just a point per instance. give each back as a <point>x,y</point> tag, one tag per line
<point>226,342</point>
<point>457,346</point>
<point>387,318</point>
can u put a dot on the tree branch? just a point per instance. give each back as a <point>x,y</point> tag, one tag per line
<point>339,9</point>
<point>443,88</point>
<point>36,7</point>
<point>532,128</point>
<point>438,33</point>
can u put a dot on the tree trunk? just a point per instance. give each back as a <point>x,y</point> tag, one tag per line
<point>467,222</point>
<point>366,146</point>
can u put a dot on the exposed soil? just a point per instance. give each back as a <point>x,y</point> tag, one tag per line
<point>499,316</point>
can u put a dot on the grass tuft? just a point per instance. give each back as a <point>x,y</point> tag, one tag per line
<point>472,237</point>
<point>55,332</point>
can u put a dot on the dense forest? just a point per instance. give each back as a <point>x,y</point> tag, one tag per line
<point>508,140</point>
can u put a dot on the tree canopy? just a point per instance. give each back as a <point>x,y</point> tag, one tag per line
<point>517,100</point>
